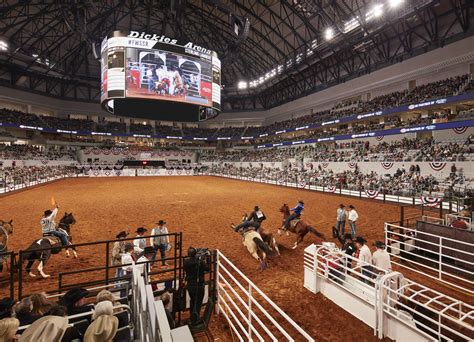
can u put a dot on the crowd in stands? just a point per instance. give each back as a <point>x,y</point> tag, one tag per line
<point>80,125</point>
<point>14,176</point>
<point>112,127</point>
<point>141,129</point>
<point>447,87</point>
<point>30,152</point>
<point>358,151</point>
<point>41,318</point>
<point>403,182</point>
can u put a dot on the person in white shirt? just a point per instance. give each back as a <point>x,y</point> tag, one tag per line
<point>353,217</point>
<point>160,242</point>
<point>127,264</point>
<point>341,220</point>
<point>140,241</point>
<point>143,262</point>
<point>365,259</point>
<point>381,258</point>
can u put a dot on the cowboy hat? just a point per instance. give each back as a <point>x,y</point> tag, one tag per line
<point>347,236</point>
<point>122,234</point>
<point>379,244</point>
<point>45,329</point>
<point>73,296</point>
<point>360,240</point>
<point>141,230</point>
<point>103,329</point>
<point>161,222</point>
<point>351,206</point>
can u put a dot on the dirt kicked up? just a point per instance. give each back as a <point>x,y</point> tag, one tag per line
<point>203,209</point>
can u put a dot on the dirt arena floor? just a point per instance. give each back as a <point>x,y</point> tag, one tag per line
<point>203,209</point>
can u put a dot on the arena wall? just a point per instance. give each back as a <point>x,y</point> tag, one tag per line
<point>109,157</point>
<point>37,163</point>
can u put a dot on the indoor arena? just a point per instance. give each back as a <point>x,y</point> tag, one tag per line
<point>178,170</point>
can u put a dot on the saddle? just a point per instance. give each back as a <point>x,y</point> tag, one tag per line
<point>53,240</point>
<point>294,222</point>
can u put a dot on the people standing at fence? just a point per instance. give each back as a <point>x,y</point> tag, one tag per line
<point>140,241</point>
<point>160,243</point>
<point>117,252</point>
<point>127,264</point>
<point>348,247</point>
<point>143,263</point>
<point>195,268</point>
<point>341,219</point>
<point>365,259</point>
<point>353,216</point>
<point>381,258</point>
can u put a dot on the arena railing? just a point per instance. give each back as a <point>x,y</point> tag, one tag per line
<point>391,304</point>
<point>433,262</point>
<point>251,314</point>
<point>7,259</point>
<point>416,199</point>
<point>102,272</point>
<point>15,184</point>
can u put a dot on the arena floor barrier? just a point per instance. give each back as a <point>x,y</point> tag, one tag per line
<point>251,314</point>
<point>416,200</point>
<point>394,306</point>
<point>434,255</point>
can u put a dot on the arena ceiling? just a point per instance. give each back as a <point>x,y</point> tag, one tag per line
<point>289,49</point>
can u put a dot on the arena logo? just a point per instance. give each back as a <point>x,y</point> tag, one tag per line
<point>167,40</point>
<point>429,103</point>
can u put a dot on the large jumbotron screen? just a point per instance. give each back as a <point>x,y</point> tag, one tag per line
<point>135,67</point>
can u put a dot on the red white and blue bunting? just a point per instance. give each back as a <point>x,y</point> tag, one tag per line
<point>387,165</point>
<point>331,188</point>
<point>430,201</point>
<point>437,166</point>
<point>352,164</point>
<point>379,137</point>
<point>371,193</point>
<point>325,165</point>
<point>460,130</point>
<point>302,183</point>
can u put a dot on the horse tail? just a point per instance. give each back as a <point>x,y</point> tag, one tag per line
<point>315,232</point>
<point>262,246</point>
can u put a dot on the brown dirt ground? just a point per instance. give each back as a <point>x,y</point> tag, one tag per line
<point>202,208</point>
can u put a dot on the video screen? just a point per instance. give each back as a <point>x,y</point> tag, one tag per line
<point>161,75</point>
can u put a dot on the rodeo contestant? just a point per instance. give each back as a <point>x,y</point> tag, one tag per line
<point>160,242</point>
<point>140,241</point>
<point>49,226</point>
<point>296,213</point>
<point>254,220</point>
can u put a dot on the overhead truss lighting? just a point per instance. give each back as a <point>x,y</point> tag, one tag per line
<point>376,11</point>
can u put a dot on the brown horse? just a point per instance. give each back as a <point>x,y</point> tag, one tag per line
<point>298,226</point>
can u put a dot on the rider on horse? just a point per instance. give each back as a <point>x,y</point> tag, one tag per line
<point>254,220</point>
<point>49,226</point>
<point>296,214</point>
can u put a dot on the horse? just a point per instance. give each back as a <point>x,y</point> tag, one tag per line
<point>298,226</point>
<point>6,229</point>
<point>267,237</point>
<point>255,245</point>
<point>42,249</point>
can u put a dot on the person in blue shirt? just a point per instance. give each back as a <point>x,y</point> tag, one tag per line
<point>296,213</point>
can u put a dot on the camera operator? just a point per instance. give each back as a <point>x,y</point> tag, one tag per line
<point>195,266</point>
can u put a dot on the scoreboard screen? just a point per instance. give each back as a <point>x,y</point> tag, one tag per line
<point>155,68</point>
